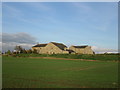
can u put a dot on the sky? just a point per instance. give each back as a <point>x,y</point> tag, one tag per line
<point>71,23</point>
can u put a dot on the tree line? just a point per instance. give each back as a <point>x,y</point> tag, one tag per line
<point>19,49</point>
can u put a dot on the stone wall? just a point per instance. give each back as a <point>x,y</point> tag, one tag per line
<point>50,48</point>
<point>86,50</point>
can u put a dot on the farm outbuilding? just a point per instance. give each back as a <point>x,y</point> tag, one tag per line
<point>59,48</point>
<point>81,49</point>
<point>51,48</point>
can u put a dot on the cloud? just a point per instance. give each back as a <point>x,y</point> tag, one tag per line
<point>18,38</point>
<point>9,41</point>
<point>39,6</point>
<point>98,18</point>
<point>82,6</point>
<point>102,50</point>
<point>10,11</point>
<point>11,46</point>
<point>13,12</point>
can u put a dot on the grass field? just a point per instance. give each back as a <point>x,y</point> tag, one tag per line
<point>25,72</point>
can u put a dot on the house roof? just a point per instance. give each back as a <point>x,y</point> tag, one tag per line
<point>59,45</point>
<point>81,46</point>
<point>40,45</point>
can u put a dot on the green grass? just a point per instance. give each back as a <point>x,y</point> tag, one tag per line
<point>103,57</point>
<point>24,72</point>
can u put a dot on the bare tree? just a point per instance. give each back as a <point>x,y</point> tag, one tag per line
<point>18,49</point>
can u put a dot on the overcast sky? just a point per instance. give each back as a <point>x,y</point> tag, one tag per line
<point>71,23</point>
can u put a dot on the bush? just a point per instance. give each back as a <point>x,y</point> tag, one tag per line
<point>8,52</point>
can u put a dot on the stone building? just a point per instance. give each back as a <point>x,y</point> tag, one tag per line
<point>81,49</point>
<point>38,47</point>
<point>51,48</point>
<point>59,48</point>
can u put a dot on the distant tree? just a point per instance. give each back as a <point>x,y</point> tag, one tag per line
<point>24,51</point>
<point>18,49</point>
<point>105,53</point>
<point>8,52</point>
<point>29,51</point>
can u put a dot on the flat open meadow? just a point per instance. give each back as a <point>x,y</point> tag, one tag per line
<point>26,72</point>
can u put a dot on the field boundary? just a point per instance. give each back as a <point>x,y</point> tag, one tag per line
<point>63,58</point>
<point>71,59</point>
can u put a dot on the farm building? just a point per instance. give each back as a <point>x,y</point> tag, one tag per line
<point>38,47</point>
<point>51,48</point>
<point>59,48</point>
<point>81,49</point>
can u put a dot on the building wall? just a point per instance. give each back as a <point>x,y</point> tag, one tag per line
<point>38,49</point>
<point>51,49</point>
<point>65,52</point>
<point>35,48</point>
<point>86,50</point>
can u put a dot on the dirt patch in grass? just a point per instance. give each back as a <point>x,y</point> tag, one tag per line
<point>72,59</point>
<point>63,58</point>
<point>79,69</point>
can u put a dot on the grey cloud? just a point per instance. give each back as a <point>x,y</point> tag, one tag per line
<point>11,46</point>
<point>18,38</point>
<point>9,41</point>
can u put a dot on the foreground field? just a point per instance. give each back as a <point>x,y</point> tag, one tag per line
<point>25,72</point>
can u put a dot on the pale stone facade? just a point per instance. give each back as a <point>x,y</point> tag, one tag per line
<point>38,47</point>
<point>59,48</point>
<point>51,48</point>
<point>81,49</point>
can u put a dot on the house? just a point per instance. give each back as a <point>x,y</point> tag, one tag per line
<point>51,48</point>
<point>59,48</point>
<point>81,49</point>
<point>38,47</point>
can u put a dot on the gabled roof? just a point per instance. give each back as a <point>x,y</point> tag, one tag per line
<point>59,45</point>
<point>81,46</point>
<point>40,45</point>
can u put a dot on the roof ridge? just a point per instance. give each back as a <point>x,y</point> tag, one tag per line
<point>40,45</point>
<point>58,45</point>
<point>84,46</point>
